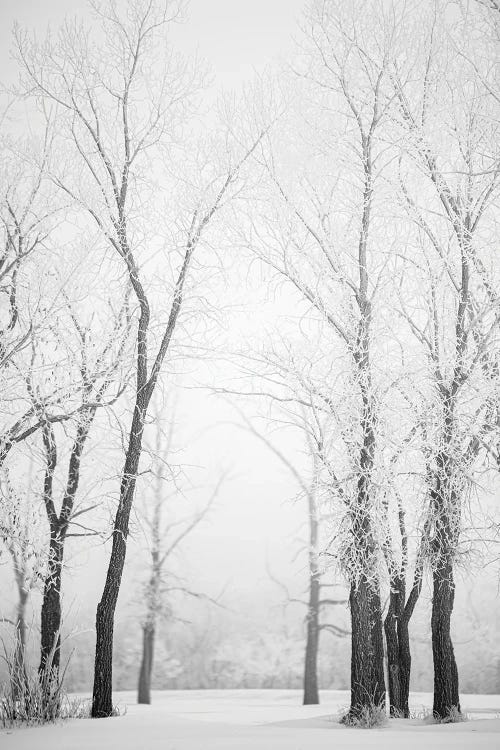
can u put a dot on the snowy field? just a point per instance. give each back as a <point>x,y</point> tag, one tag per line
<point>257,720</point>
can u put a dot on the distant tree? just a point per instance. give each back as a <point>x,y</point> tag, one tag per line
<point>20,521</point>
<point>308,481</point>
<point>165,532</point>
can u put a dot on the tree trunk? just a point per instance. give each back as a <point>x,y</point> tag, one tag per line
<point>404,666</point>
<point>378,676</point>
<point>397,638</point>
<point>445,504</point>
<point>393,663</point>
<point>102,703</point>
<point>399,664</point>
<point>367,648</point>
<point>311,695</point>
<point>50,652</point>
<point>148,642</point>
<point>446,694</point>
<point>367,641</point>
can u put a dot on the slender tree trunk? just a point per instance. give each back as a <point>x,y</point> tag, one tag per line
<point>18,676</point>
<point>50,625</point>
<point>311,695</point>
<point>398,661</point>
<point>377,629</point>
<point>102,703</point>
<point>146,671</point>
<point>404,666</point>
<point>396,626</point>
<point>393,660</point>
<point>446,691</point>
<point>50,652</point>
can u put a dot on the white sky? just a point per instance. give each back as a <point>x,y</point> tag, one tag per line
<point>235,36</point>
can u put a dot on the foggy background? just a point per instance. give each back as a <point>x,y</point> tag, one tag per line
<point>251,543</point>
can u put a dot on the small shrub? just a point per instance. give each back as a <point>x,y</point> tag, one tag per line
<point>427,717</point>
<point>366,717</point>
<point>454,717</point>
<point>35,702</point>
<point>30,698</point>
<point>119,710</point>
<point>75,708</point>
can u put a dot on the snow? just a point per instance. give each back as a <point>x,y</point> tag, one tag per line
<point>257,720</point>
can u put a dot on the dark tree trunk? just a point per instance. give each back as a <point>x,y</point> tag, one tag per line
<point>102,702</point>
<point>446,692</point>
<point>50,652</point>
<point>393,663</point>
<point>445,505</point>
<point>311,695</point>
<point>397,638</point>
<point>50,625</point>
<point>398,662</point>
<point>367,648</point>
<point>404,666</point>
<point>148,643</point>
<point>367,640</point>
<point>378,676</point>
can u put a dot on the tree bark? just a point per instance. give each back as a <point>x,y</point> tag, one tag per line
<point>102,704</point>
<point>50,647</point>
<point>446,689</point>
<point>446,509</point>
<point>146,671</point>
<point>367,643</point>
<point>367,648</point>
<point>50,651</point>
<point>393,660</point>
<point>404,666</point>
<point>378,676</point>
<point>396,626</point>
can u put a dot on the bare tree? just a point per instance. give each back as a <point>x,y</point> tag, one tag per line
<point>28,216</point>
<point>19,523</point>
<point>165,532</point>
<point>309,485</point>
<point>450,188</point>
<point>96,371</point>
<point>360,99</point>
<point>124,101</point>
<point>323,235</point>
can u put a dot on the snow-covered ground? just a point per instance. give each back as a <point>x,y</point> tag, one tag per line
<point>257,720</point>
